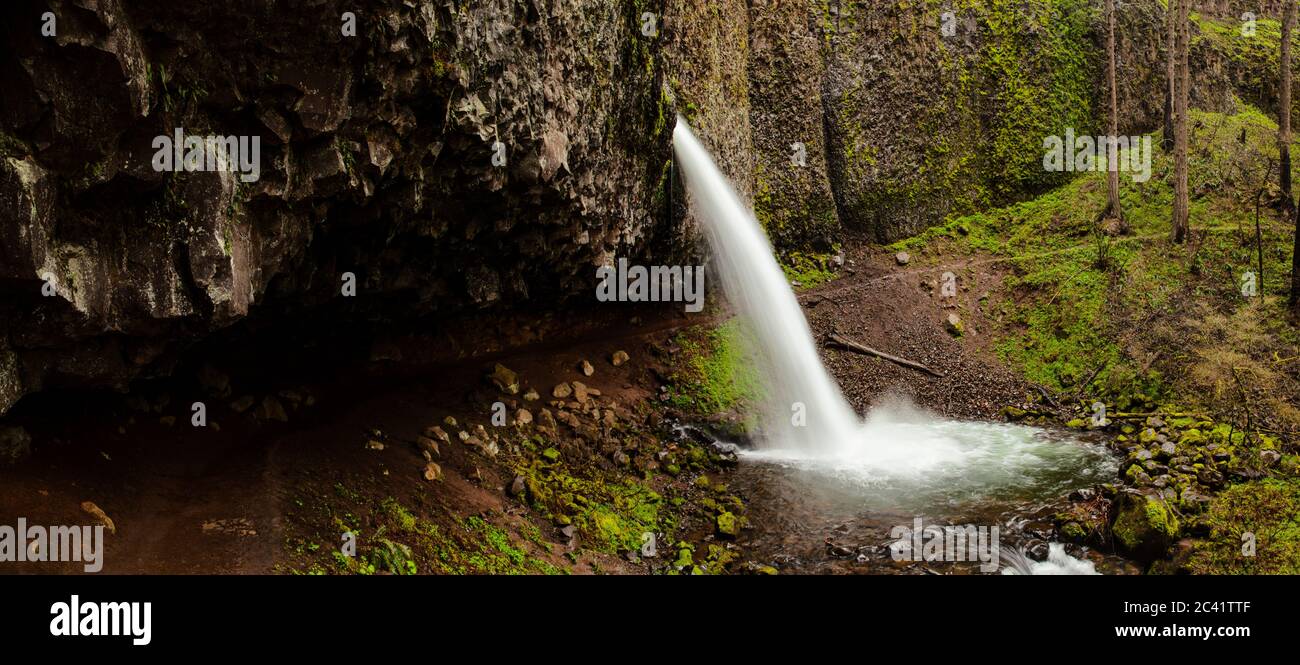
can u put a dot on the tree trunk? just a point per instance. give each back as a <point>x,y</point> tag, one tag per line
<point>1295,269</point>
<point>1112,176</point>
<point>1167,137</point>
<point>1284,112</point>
<point>1181,91</point>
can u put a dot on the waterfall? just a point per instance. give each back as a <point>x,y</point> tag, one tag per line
<point>900,457</point>
<point>756,287</point>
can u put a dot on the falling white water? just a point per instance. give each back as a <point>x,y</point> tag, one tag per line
<point>757,288</point>
<point>899,451</point>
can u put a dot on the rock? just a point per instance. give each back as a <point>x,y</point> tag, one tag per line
<point>432,472</point>
<point>523,417</point>
<point>1167,450</point>
<point>546,421</point>
<point>1144,526</point>
<point>531,395</point>
<point>618,358</point>
<point>580,392</point>
<point>15,444</point>
<point>568,417</point>
<point>99,515</point>
<point>504,379</point>
<point>374,444</point>
<point>621,458</point>
<point>428,445</point>
<point>953,325</point>
<point>727,524</point>
<point>1014,413</point>
<point>587,369</point>
<point>562,391</point>
<point>1269,457</point>
<point>437,434</point>
<point>903,258</point>
<point>272,409</point>
<point>1210,478</point>
<point>517,487</point>
<point>242,404</point>
<point>167,421</point>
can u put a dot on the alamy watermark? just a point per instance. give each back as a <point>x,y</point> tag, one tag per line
<point>240,154</point>
<point>1098,153</point>
<point>53,544</point>
<point>967,542</point>
<point>636,283</point>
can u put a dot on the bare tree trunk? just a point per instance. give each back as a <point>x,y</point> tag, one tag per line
<point>1112,176</point>
<point>1171,50</point>
<point>1284,112</point>
<point>1295,269</point>
<point>1181,93</point>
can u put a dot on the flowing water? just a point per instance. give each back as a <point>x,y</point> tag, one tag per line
<point>899,460</point>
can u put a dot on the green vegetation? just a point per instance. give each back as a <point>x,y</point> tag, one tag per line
<point>808,270</point>
<point>715,375</point>
<point>1265,515</point>
<point>612,516</point>
<point>1080,301</point>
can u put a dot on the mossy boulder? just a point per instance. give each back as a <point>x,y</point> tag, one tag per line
<point>728,525</point>
<point>1144,526</point>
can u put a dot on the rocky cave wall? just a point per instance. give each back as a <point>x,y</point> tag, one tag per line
<point>376,159</point>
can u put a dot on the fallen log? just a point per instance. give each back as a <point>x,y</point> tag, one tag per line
<point>1120,415</point>
<point>834,339</point>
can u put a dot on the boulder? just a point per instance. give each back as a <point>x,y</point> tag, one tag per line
<point>1144,526</point>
